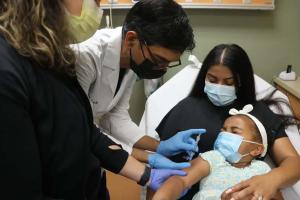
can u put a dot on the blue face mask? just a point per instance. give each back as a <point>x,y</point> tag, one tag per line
<point>220,95</point>
<point>228,145</point>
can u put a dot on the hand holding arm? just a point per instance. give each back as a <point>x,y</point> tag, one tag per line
<point>175,186</point>
<point>253,189</point>
<point>282,176</point>
<point>134,170</point>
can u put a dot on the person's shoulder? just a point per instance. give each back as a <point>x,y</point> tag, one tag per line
<point>6,50</point>
<point>214,158</point>
<point>95,43</point>
<point>263,108</point>
<point>16,72</point>
<point>266,115</point>
<point>105,35</point>
<point>109,31</point>
<point>11,61</point>
<point>260,166</point>
<point>261,105</point>
<point>190,104</point>
<point>212,153</point>
<point>190,100</point>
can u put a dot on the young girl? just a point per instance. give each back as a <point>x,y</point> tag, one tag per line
<point>242,139</point>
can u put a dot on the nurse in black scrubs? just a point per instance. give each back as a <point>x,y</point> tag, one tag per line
<point>49,147</point>
<point>226,81</point>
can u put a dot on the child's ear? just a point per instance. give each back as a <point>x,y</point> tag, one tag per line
<point>257,151</point>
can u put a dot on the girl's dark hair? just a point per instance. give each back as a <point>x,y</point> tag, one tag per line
<point>160,22</point>
<point>237,60</point>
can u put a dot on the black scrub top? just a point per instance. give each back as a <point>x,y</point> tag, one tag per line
<point>49,146</point>
<point>192,112</point>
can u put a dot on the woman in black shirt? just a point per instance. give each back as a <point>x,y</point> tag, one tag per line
<point>226,81</point>
<point>49,146</point>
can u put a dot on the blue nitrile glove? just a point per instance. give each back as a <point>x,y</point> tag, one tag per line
<point>192,153</point>
<point>160,162</point>
<point>180,142</point>
<point>159,176</point>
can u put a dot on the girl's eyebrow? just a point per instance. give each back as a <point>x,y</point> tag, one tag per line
<point>237,127</point>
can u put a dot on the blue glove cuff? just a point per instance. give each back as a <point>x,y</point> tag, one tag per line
<point>160,148</point>
<point>151,160</point>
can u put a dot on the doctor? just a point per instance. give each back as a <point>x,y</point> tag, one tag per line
<point>154,35</point>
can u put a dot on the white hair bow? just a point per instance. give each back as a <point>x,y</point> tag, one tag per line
<point>246,109</point>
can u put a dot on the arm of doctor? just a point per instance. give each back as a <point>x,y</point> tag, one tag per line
<point>147,143</point>
<point>119,122</point>
<point>175,185</point>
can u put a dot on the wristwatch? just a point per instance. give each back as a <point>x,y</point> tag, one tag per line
<point>145,177</point>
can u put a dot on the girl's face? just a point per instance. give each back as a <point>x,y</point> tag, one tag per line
<point>220,74</point>
<point>243,126</point>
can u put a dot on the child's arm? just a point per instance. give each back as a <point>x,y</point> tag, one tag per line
<point>175,185</point>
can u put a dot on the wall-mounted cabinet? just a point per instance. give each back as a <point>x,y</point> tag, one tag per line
<point>202,4</point>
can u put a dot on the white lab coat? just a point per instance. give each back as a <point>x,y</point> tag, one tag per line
<point>97,68</point>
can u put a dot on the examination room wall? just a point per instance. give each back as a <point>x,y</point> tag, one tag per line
<point>271,38</point>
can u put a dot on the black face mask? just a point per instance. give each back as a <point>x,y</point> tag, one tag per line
<point>146,70</point>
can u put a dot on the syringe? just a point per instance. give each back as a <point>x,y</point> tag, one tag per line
<point>192,153</point>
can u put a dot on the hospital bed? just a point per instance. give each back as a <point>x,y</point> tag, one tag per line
<point>180,85</point>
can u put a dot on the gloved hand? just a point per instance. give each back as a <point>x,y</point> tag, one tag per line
<point>159,176</point>
<point>180,142</point>
<point>160,162</point>
<point>191,154</point>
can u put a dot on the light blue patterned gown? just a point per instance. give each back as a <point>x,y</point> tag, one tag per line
<point>223,176</point>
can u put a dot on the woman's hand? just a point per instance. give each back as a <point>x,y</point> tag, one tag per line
<point>261,187</point>
<point>159,176</point>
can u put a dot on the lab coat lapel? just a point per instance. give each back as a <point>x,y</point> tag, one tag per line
<point>111,61</point>
<point>126,79</point>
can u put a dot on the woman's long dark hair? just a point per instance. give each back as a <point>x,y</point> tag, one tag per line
<point>280,103</point>
<point>237,60</point>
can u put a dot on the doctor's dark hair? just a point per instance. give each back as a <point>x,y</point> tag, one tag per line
<point>237,60</point>
<point>160,22</point>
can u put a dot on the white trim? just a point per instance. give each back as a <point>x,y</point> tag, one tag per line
<point>201,6</point>
<point>245,111</point>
